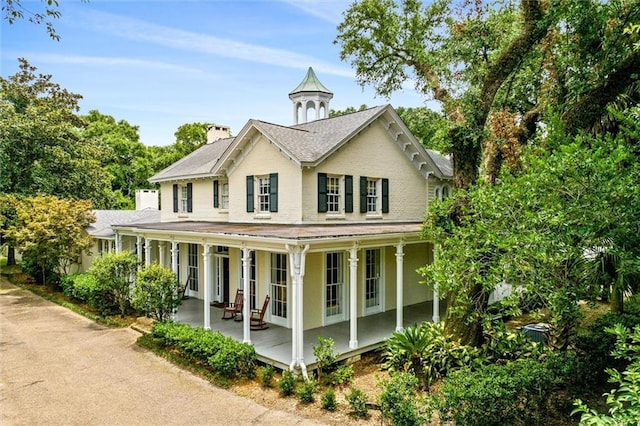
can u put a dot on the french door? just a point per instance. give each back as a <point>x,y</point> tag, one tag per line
<point>279,290</point>
<point>373,285</point>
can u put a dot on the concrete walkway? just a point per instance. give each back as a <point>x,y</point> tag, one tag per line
<point>57,367</point>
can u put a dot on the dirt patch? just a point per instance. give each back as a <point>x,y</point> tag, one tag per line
<point>366,377</point>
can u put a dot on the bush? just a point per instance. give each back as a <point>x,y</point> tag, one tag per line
<point>287,383</point>
<point>398,400</point>
<point>506,345</point>
<point>358,402</point>
<point>325,356</point>
<point>223,354</point>
<point>328,400</point>
<point>157,292</point>
<point>596,345</point>
<point>519,392</point>
<point>427,352</point>
<point>86,289</point>
<point>265,374</point>
<point>114,272</point>
<point>343,375</point>
<point>306,390</point>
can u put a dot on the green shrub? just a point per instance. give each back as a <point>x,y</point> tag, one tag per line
<point>399,401</point>
<point>157,292</point>
<point>427,352</point>
<point>596,345</point>
<point>503,345</point>
<point>343,375</point>
<point>223,354</point>
<point>265,374</point>
<point>325,355</point>
<point>358,402</point>
<point>328,400</point>
<point>114,272</point>
<point>518,392</point>
<point>287,383</point>
<point>86,289</point>
<point>306,391</point>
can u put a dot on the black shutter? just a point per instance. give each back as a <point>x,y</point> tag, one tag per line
<point>250,194</point>
<point>175,198</point>
<point>322,192</point>
<point>216,189</point>
<point>363,194</point>
<point>189,197</point>
<point>273,192</point>
<point>348,194</point>
<point>385,195</point>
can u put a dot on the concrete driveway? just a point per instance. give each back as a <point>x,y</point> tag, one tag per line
<point>57,367</point>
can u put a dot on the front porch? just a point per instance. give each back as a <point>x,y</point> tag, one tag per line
<point>273,345</point>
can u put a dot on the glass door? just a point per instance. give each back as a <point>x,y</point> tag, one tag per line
<point>279,305</point>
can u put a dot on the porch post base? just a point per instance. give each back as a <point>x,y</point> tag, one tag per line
<point>353,344</point>
<point>399,328</point>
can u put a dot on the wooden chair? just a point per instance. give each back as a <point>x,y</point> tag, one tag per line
<point>257,316</point>
<point>234,309</point>
<point>185,296</point>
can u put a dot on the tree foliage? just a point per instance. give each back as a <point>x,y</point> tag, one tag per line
<point>41,148</point>
<point>14,10</point>
<point>50,233</point>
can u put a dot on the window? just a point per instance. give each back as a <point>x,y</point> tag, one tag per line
<point>335,193</point>
<point>445,191</point>
<point>192,267</point>
<point>263,194</point>
<point>265,189</point>
<point>221,194</point>
<point>334,286</point>
<point>183,198</point>
<point>372,284</point>
<point>374,195</point>
<point>279,285</point>
<point>252,278</point>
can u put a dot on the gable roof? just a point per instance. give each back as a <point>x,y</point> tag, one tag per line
<point>199,163</point>
<point>306,144</point>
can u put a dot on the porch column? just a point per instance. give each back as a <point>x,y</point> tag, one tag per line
<point>297,256</point>
<point>353,297</point>
<point>111,246</point>
<point>436,293</point>
<point>174,258</point>
<point>118,243</point>
<point>246,308</point>
<point>147,251</point>
<point>161,254</point>
<point>399,286</point>
<point>139,248</point>
<point>206,254</point>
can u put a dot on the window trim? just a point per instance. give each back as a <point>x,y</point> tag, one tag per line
<point>342,316</point>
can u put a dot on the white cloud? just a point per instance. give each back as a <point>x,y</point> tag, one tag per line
<point>101,61</point>
<point>136,29</point>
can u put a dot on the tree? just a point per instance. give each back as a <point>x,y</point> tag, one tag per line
<point>13,10</point>
<point>50,233</point>
<point>190,136</point>
<point>116,271</point>
<point>157,292</point>
<point>8,220</point>
<point>41,148</point>
<point>496,69</point>
<point>125,158</point>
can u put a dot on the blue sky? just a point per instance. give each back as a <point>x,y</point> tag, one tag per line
<point>160,64</point>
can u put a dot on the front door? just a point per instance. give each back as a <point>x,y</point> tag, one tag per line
<point>222,279</point>
<point>373,284</point>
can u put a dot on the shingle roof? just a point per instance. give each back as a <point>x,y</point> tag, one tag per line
<point>106,218</point>
<point>443,163</point>
<point>199,162</point>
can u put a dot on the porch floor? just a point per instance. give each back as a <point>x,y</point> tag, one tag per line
<point>273,345</point>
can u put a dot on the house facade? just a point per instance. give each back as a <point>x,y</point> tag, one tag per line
<point>324,217</point>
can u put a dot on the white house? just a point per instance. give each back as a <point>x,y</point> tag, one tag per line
<point>323,216</point>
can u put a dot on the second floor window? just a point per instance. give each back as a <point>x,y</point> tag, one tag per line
<point>374,195</point>
<point>225,196</point>
<point>221,194</point>
<point>183,198</point>
<point>335,193</point>
<point>262,193</point>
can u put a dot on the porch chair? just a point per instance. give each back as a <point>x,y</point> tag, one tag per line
<point>257,316</point>
<point>234,309</point>
<point>185,296</point>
